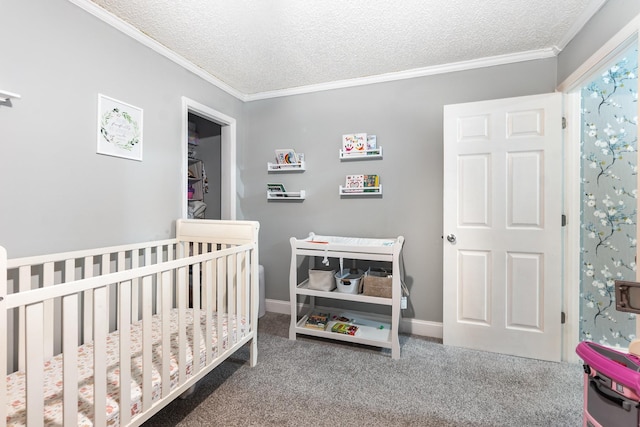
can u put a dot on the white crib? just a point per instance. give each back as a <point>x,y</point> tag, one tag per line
<point>110,336</point>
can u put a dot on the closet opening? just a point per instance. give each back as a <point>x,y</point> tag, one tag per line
<point>209,163</point>
<point>204,161</point>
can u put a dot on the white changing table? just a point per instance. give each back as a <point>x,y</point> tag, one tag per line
<point>373,329</point>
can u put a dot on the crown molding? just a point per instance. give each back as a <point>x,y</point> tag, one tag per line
<point>147,41</point>
<point>592,8</point>
<point>410,74</point>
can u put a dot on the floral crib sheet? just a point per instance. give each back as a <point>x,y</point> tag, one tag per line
<point>16,395</point>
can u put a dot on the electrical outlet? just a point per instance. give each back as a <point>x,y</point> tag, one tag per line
<point>403,303</point>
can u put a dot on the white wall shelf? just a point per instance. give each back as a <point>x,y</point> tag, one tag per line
<point>374,153</point>
<point>286,196</point>
<point>286,167</point>
<point>368,191</point>
<point>5,96</point>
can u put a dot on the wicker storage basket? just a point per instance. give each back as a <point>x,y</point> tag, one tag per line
<point>377,283</point>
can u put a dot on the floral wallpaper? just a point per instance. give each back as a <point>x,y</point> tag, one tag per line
<point>609,193</point>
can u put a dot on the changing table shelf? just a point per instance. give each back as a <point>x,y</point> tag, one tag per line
<point>303,289</point>
<point>380,330</point>
<point>374,330</point>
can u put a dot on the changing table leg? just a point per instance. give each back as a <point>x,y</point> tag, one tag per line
<point>293,283</point>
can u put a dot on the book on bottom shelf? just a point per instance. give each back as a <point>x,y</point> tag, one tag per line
<point>344,328</point>
<point>371,181</point>
<point>277,190</point>
<point>317,321</point>
<point>354,184</point>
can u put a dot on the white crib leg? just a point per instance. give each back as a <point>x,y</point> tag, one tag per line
<point>253,352</point>
<point>188,392</point>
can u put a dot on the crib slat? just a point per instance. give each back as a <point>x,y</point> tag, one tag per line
<point>125,352</point>
<point>35,364</point>
<point>239,293</point>
<point>170,258</point>
<point>48,279</point>
<point>135,287</point>
<point>246,288</point>
<point>195,302</point>
<point>209,280</point>
<point>120,266</point>
<point>101,327</point>
<point>158,281</point>
<point>231,307</point>
<point>182,328</point>
<point>147,350</point>
<point>24,284</point>
<point>87,312</point>
<point>219,309</point>
<point>70,359</point>
<point>165,288</point>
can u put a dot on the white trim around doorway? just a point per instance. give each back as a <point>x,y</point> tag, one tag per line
<point>228,155</point>
<point>572,196</point>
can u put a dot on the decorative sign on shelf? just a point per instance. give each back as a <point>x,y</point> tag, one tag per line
<point>119,129</point>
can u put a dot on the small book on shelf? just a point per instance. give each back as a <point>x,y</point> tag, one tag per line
<point>372,142</point>
<point>344,328</point>
<point>286,156</point>
<point>371,181</point>
<point>354,144</point>
<point>317,321</point>
<point>277,190</point>
<point>354,183</point>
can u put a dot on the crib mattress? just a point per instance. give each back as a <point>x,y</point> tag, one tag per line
<point>53,372</point>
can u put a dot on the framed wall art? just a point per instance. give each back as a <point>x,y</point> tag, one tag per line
<point>119,129</point>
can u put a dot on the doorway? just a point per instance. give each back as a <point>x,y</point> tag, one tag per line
<point>587,287</point>
<point>609,168</point>
<point>204,163</point>
<point>218,148</point>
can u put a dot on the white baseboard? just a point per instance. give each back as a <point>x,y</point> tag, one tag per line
<point>422,328</point>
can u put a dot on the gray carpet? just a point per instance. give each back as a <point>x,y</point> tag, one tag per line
<point>316,382</point>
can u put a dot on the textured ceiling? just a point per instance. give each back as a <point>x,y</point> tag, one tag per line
<point>262,46</point>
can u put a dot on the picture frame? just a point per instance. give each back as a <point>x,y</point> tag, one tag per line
<point>119,129</point>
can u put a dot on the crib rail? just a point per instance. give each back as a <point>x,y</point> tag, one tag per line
<point>83,296</point>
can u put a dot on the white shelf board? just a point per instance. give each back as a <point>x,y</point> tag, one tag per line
<point>375,191</point>
<point>286,195</point>
<point>286,167</point>
<point>303,289</point>
<point>374,153</point>
<point>6,95</point>
<point>372,330</point>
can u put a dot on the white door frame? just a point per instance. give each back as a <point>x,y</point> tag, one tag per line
<point>570,87</point>
<point>227,155</point>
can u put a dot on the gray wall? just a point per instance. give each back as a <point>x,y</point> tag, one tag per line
<point>57,193</point>
<point>407,118</point>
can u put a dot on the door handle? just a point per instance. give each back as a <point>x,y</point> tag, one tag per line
<point>451,238</point>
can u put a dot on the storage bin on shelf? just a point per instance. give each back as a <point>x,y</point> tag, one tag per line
<point>348,282</point>
<point>377,283</point>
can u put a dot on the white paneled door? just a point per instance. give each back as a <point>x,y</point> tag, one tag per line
<point>502,226</point>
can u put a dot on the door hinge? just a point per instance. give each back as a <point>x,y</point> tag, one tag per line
<point>563,318</point>
<point>564,123</point>
<point>563,221</point>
